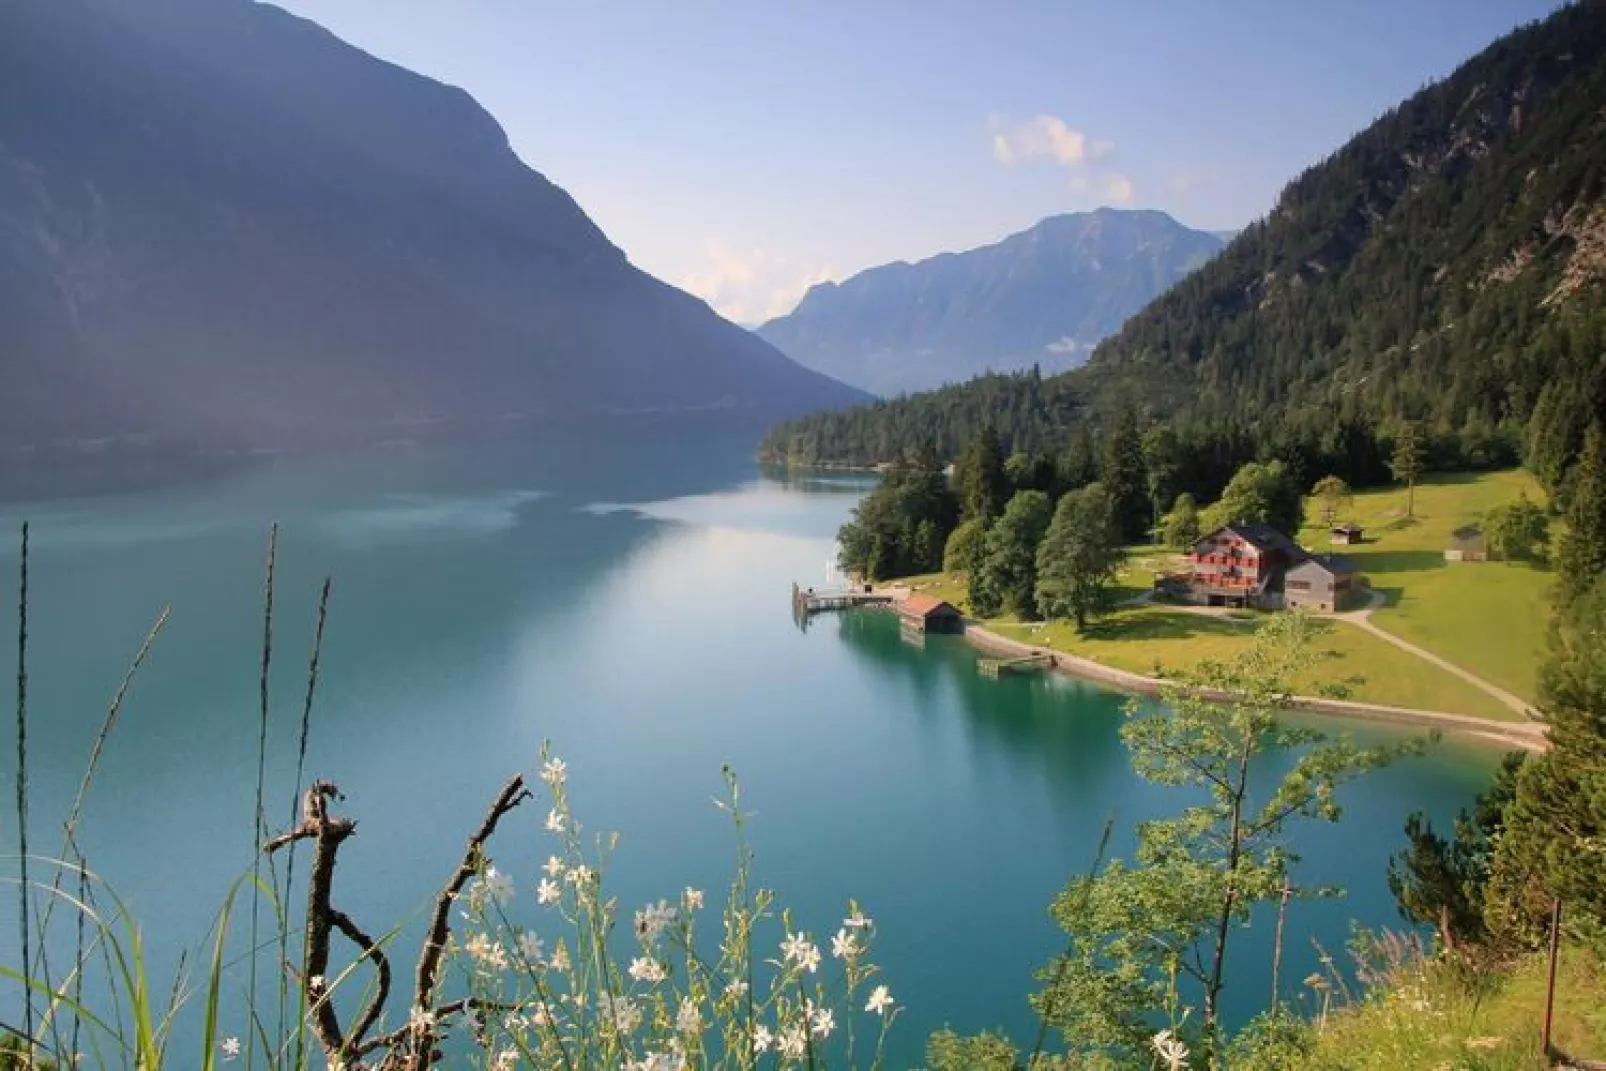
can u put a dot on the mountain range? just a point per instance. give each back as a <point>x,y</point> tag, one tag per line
<point>1444,267</point>
<point>1043,297</point>
<point>223,229</point>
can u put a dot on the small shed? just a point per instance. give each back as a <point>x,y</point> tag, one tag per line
<point>926,613</point>
<point>1326,582</point>
<point>1467,545</point>
<point>1346,535</point>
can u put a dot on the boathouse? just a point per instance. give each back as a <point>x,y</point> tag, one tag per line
<point>926,613</point>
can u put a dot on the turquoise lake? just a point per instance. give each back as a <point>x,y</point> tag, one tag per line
<point>627,600</point>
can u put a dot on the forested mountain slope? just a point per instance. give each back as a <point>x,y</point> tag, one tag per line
<point>1445,266</point>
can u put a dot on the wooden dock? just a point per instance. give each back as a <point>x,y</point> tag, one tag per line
<point>993,668</point>
<point>808,602</point>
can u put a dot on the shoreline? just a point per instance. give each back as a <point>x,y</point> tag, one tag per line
<point>1528,736</point>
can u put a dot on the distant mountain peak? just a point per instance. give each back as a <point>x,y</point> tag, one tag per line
<point>1040,296</point>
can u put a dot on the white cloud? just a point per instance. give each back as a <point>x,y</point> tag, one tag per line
<point>1062,345</point>
<point>749,288</point>
<point>1118,189</point>
<point>1042,137</point>
<point>1103,149</point>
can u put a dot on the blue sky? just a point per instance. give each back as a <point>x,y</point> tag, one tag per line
<point>746,148</point>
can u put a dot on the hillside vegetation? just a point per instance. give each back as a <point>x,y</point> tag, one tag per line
<point>1443,267</point>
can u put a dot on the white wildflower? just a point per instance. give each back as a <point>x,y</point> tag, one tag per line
<point>824,1022</point>
<point>858,921</point>
<point>488,953</point>
<point>647,970</point>
<point>531,948</point>
<point>736,989</point>
<point>554,772</point>
<point>798,949</point>
<point>688,1020</point>
<point>693,898</point>
<point>1171,1050</point>
<point>579,877</point>
<point>794,1042</point>
<point>554,866</point>
<point>880,1000</point>
<point>419,1019</point>
<point>315,983</point>
<point>498,886</point>
<point>546,892</point>
<point>658,1061</point>
<point>560,959</point>
<point>762,1040</point>
<point>231,1048</point>
<point>621,1011</point>
<point>653,920</point>
<point>844,945</point>
<point>506,1060</point>
<point>554,821</point>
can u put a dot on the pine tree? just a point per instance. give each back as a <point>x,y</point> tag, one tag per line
<point>1161,462</point>
<point>1554,842</point>
<point>979,475</point>
<point>1080,464</point>
<point>1406,463</point>
<point>1122,473</point>
<point>1583,549</point>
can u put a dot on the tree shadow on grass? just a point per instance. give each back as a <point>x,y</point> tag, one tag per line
<point>1162,626</point>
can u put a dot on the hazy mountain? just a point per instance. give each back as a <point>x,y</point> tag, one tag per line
<point>1044,296</point>
<point>1446,266</point>
<point>223,228</point>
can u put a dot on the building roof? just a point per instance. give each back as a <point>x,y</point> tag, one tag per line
<point>918,605</point>
<point>1348,529</point>
<point>1469,535</point>
<point>1332,564</point>
<point>1261,536</point>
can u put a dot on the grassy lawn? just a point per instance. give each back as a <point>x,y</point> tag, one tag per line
<point>1488,617</point>
<point>1146,638</point>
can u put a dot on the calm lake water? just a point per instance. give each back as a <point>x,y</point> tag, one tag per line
<point>628,601</point>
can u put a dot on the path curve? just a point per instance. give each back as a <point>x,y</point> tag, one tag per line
<point>1362,619</point>
<point>1528,735</point>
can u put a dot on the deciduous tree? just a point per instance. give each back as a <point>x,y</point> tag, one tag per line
<point>1333,494</point>
<point>1517,531</point>
<point>1261,492</point>
<point>1182,523</point>
<point>1195,879</point>
<point>1007,577</point>
<point>1079,556</point>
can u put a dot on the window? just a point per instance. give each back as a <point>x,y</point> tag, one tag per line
<point>1299,585</point>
